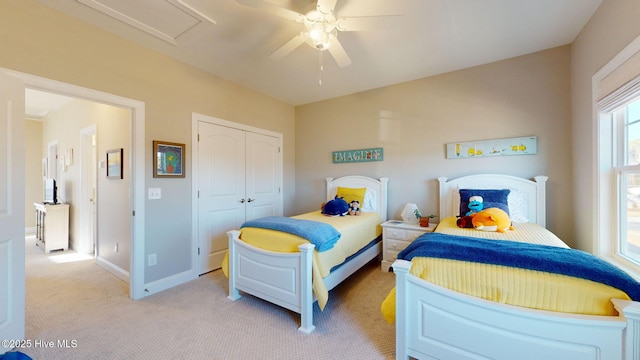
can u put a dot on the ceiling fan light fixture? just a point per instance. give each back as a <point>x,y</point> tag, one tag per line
<point>320,29</point>
<point>319,35</point>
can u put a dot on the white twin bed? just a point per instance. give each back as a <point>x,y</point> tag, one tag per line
<point>286,278</point>
<point>433,322</point>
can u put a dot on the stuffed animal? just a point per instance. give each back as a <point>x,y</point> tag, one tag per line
<point>336,207</point>
<point>464,222</point>
<point>475,204</point>
<point>354,207</point>
<point>491,219</point>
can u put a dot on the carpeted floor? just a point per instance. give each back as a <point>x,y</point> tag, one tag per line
<point>76,310</point>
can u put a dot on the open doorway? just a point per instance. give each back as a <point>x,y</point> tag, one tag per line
<point>12,92</point>
<point>69,136</point>
<point>52,159</point>
<point>135,161</point>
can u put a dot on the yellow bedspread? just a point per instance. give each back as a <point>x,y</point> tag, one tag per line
<point>356,232</point>
<point>514,286</point>
<point>524,232</point>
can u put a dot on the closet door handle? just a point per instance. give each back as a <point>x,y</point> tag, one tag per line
<point>242,201</point>
<point>250,200</point>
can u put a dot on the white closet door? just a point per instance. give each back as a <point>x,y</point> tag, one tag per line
<point>221,202</point>
<point>264,176</point>
<point>12,172</point>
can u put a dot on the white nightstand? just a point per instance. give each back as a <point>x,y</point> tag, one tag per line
<point>397,235</point>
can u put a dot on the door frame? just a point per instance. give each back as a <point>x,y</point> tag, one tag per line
<point>137,163</point>
<point>195,227</point>
<point>12,213</point>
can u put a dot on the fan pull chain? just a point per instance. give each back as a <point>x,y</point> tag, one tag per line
<point>321,68</point>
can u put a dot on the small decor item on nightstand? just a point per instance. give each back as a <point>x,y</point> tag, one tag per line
<point>410,213</point>
<point>424,220</point>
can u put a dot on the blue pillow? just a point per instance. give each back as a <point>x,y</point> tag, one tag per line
<point>491,198</point>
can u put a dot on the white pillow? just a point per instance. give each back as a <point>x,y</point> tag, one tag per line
<point>370,201</point>
<point>518,207</point>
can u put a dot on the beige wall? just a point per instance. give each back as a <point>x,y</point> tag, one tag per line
<point>33,170</point>
<point>528,95</point>
<point>114,203</point>
<point>38,40</point>
<point>610,30</point>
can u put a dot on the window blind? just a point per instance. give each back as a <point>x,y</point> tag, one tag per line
<point>622,75</point>
<point>621,96</point>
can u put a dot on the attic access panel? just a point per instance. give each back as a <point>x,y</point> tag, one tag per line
<point>166,20</point>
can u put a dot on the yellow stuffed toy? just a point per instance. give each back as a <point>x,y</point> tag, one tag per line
<point>491,219</point>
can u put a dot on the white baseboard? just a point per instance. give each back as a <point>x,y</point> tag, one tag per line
<point>113,269</point>
<point>168,282</point>
<point>152,287</point>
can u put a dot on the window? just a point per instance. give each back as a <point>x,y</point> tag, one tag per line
<point>627,170</point>
<point>619,177</point>
<point>616,100</point>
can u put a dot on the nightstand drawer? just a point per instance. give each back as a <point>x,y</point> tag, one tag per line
<point>402,234</point>
<point>390,255</point>
<point>412,235</point>
<point>396,245</point>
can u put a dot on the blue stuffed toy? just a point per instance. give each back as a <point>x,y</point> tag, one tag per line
<point>475,205</point>
<point>336,207</point>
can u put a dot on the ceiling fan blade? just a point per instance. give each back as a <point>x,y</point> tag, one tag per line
<point>338,53</point>
<point>368,23</point>
<point>288,47</point>
<point>326,6</point>
<point>273,9</point>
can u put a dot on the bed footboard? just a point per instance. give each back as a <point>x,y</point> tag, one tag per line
<point>436,323</point>
<point>630,310</point>
<point>281,278</point>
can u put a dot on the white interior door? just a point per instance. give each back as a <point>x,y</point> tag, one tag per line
<point>221,187</point>
<point>12,173</point>
<point>88,165</point>
<point>263,176</point>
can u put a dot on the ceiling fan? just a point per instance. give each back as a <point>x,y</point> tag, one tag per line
<point>321,27</point>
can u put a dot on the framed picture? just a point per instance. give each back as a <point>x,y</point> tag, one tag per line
<point>114,163</point>
<point>168,159</point>
<point>526,145</point>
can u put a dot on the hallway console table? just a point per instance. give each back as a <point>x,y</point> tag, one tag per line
<point>52,226</point>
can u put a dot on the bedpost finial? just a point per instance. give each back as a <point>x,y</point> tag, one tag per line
<point>541,178</point>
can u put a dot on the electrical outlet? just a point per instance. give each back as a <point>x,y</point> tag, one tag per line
<point>115,248</point>
<point>152,260</point>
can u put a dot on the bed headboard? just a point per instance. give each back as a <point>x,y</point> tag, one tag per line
<point>533,191</point>
<point>376,194</point>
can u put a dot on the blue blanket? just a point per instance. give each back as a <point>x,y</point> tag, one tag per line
<point>323,236</point>
<point>552,259</point>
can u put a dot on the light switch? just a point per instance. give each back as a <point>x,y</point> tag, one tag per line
<point>155,193</point>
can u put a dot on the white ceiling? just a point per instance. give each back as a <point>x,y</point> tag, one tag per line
<point>39,104</point>
<point>234,41</point>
